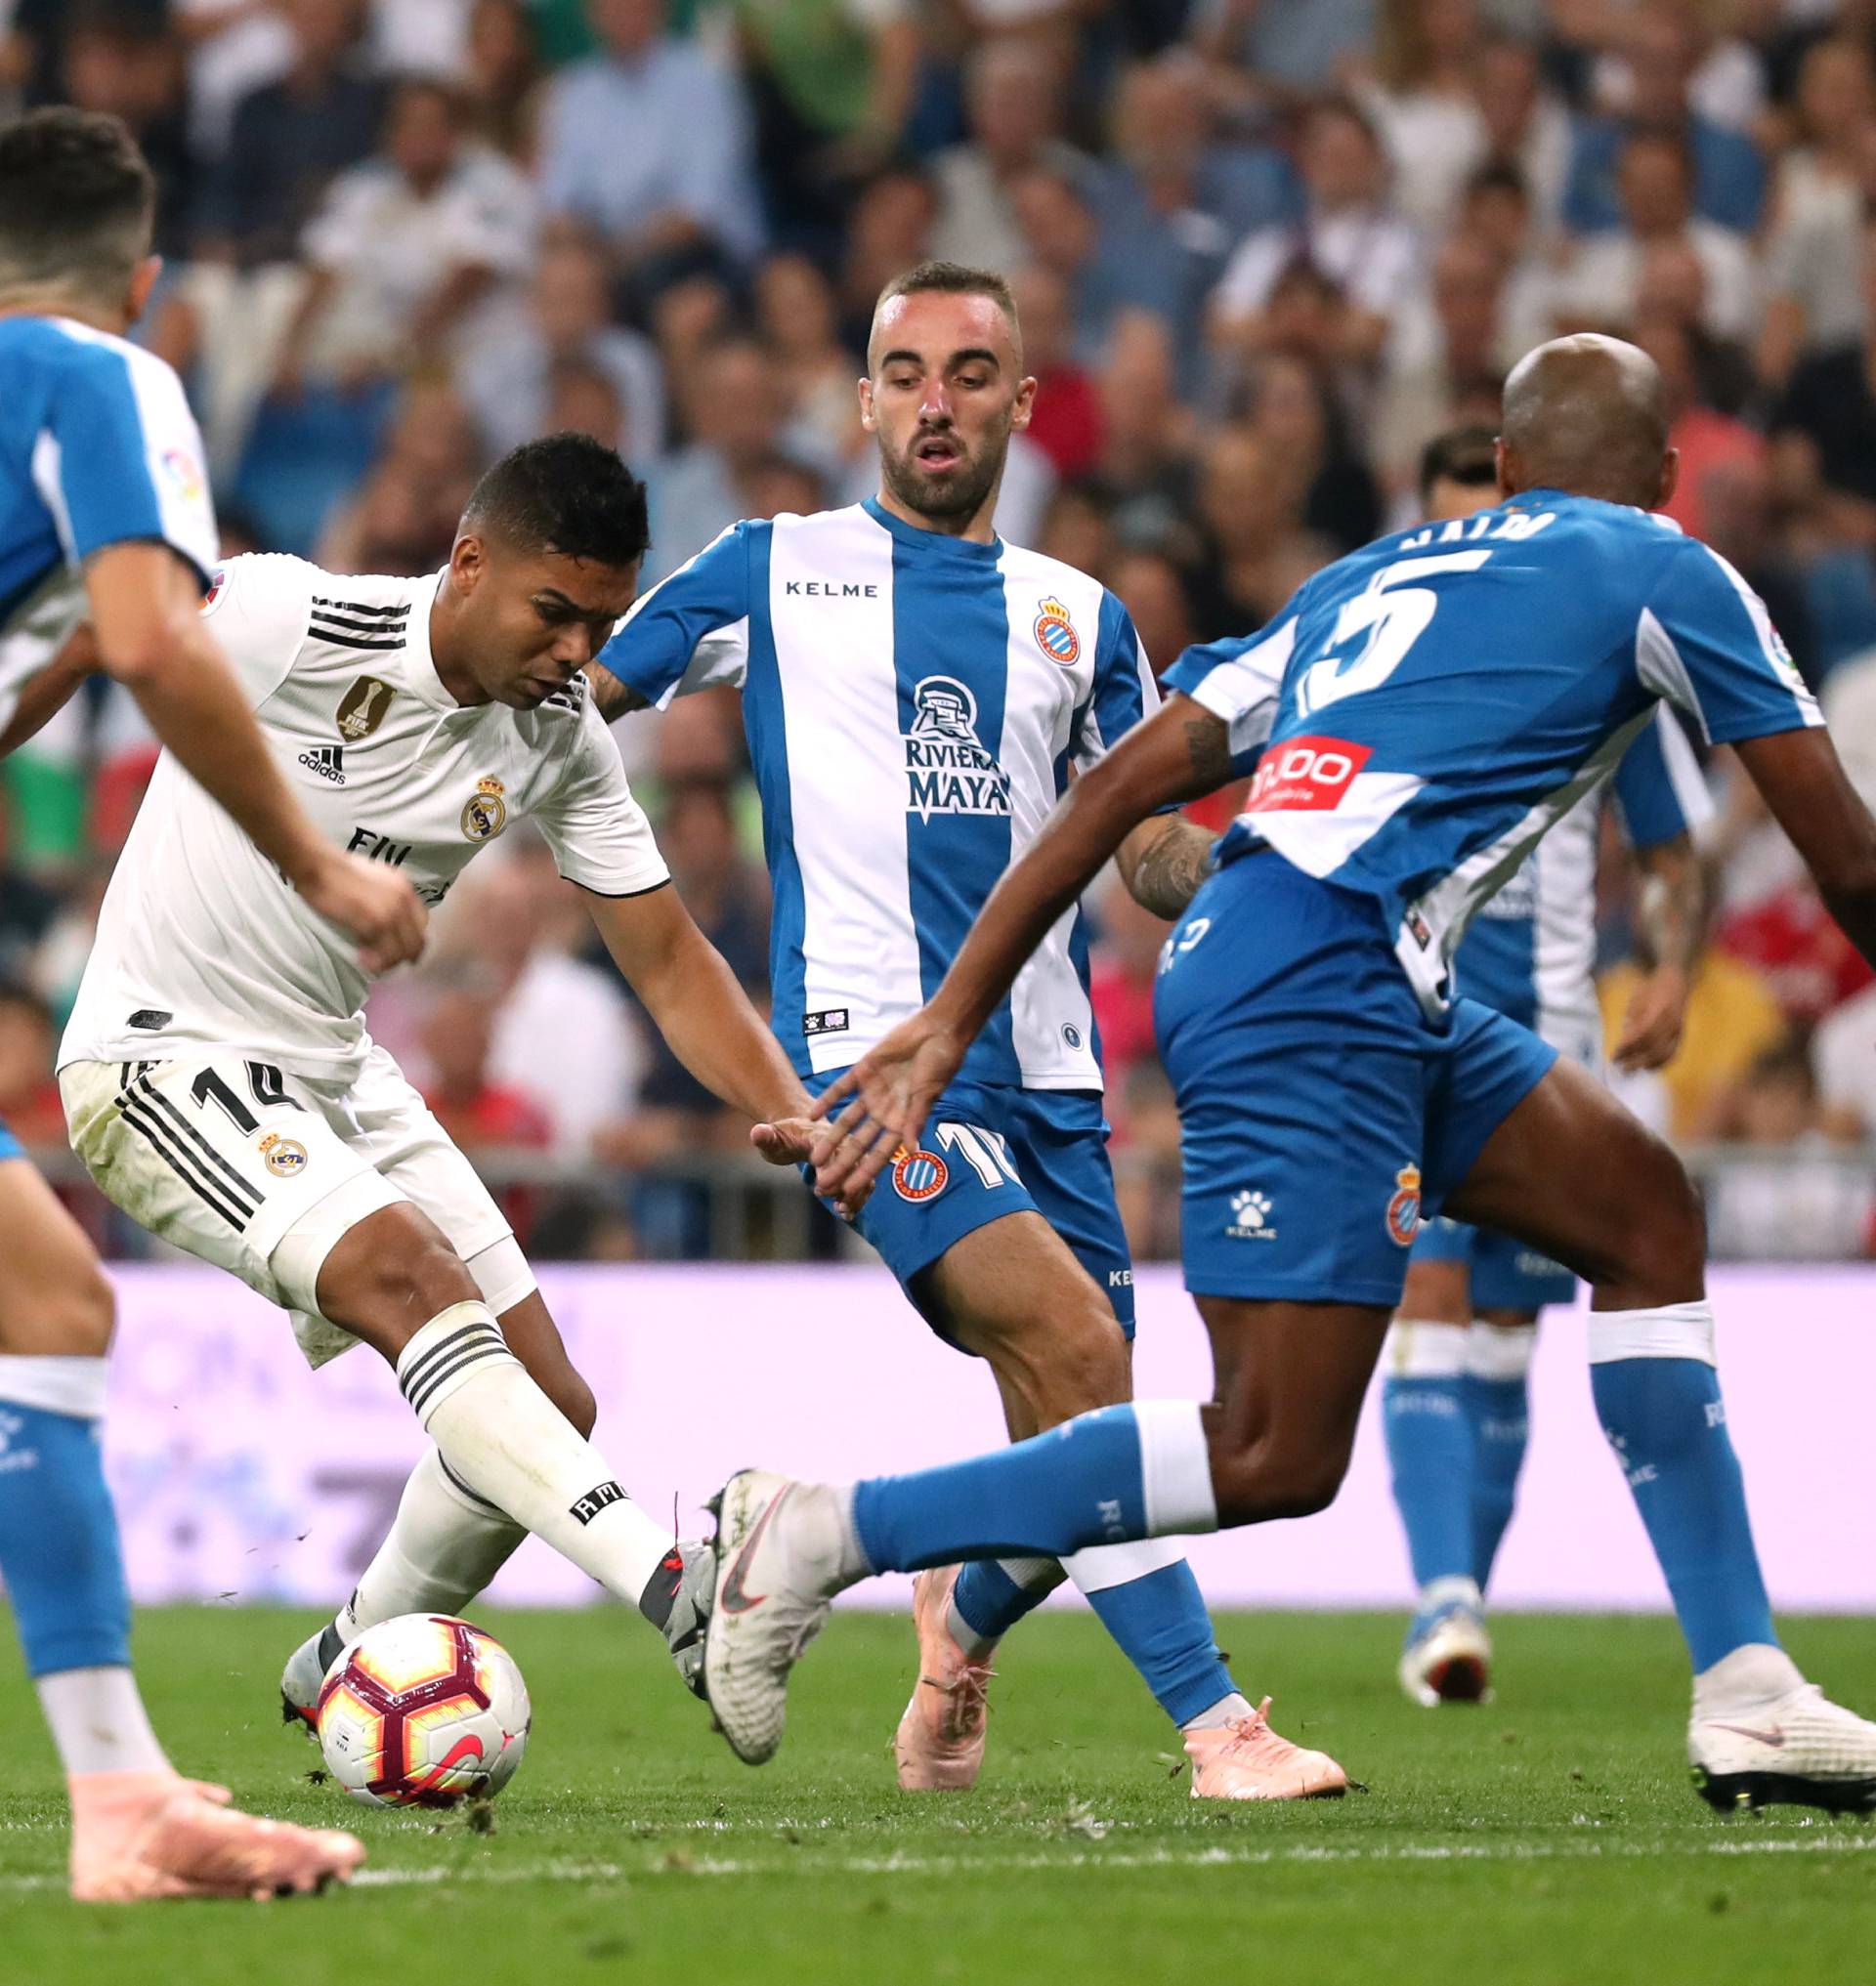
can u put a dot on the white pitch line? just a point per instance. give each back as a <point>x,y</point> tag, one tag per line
<point>497,1873</point>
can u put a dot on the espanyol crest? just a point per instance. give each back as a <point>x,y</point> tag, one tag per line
<point>1055,633</point>
<point>919,1175</point>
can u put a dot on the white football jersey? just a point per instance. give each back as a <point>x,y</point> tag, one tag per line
<point>202,945</point>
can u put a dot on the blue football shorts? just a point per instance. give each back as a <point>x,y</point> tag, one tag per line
<point>10,1146</point>
<point>1321,1111</point>
<point>987,1151</point>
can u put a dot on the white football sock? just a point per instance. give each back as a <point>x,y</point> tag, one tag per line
<point>513,1447</point>
<point>1229,1709</point>
<point>443,1549</point>
<point>99,1723</point>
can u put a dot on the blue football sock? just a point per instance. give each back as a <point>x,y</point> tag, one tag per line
<point>988,1599</point>
<point>1498,1412</point>
<point>1430,1448</point>
<point>1083,1483</point>
<point>58,1550</point>
<point>1161,1623</point>
<point>1666,1421</point>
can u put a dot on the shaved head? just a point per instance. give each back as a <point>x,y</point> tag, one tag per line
<point>1588,414</point>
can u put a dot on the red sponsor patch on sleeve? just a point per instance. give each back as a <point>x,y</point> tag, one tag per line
<point>1306,775</point>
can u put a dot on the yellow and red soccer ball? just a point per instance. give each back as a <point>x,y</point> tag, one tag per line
<point>422,1710</point>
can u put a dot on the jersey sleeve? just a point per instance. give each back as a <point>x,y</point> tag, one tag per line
<point>1241,681</point>
<point>1707,644</point>
<point>690,631</point>
<point>1659,790</point>
<point>597,830</point>
<point>120,461</point>
<point>257,608</point>
<point>1123,693</point>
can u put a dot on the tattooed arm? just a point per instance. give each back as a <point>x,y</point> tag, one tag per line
<point>1163,861</point>
<point>1177,755</point>
<point>611,698</point>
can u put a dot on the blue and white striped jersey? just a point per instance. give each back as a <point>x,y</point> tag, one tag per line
<point>913,704</point>
<point>96,447</point>
<point>1435,703</point>
<point>1531,951</point>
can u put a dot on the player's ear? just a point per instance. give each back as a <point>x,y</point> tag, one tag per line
<point>143,279</point>
<point>868,419</point>
<point>1502,462</point>
<point>1025,404</point>
<point>466,562</point>
<point>1670,479</point>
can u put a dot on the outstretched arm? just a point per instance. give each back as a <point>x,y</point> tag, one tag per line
<point>1176,754</point>
<point>1803,782</point>
<point>50,690</point>
<point>611,698</point>
<point>1671,918</point>
<point>695,1003</point>
<point>1163,861</point>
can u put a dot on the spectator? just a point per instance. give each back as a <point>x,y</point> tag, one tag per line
<point>29,1104</point>
<point>1844,1052</point>
<point>1710,442</point>
<point>832,83</point>
<point>28,908</point>
<point>889,229</point>
<point>799,321</point>
<point>1444,360</point>
<point>118,57</point>
<point>1602,287</point>
<point>1350,234</point>
<point>1795,1203</point>
<point>1497,215</point>
<point>1288,411</point>
<point>1255,552</point>
<point>410,253</point>
<point>476,1111</point>
<point>1815,302</point>
<point>1013,106</point>
<point>404,517</point>
<point>648,144</point>
<point>1726,177</point>
<point>1148,585</point>
<point>1524,129</point>
<point>1148,436</point>
<point>1825,426</point>
<point>502,76</point>
<point>1424,97</point>
<point>1066,421</point>
<point>506,378</point>
<point>1292,48</point>
<point>1171,203</point>
<point>1054,211</point>
<point>291,138</point>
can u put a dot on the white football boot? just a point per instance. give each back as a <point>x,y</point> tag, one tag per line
<point>304,1675</point>
<point>783,1552</point>
<point>1761,1736</point>
<point>1448,1655</point>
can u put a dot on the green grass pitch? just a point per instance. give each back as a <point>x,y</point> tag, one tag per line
<point>1549,1837</point>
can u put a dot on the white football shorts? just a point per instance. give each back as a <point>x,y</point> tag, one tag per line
<point>262,1171</point>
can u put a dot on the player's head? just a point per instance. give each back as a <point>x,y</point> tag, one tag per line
<point>77,204</point>
<point>545,561</point>
<point>1458,473</point>
<point>1588,414</point>
<point>944,389</point>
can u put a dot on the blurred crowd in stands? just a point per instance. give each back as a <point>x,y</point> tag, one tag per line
<point>1264,249</point>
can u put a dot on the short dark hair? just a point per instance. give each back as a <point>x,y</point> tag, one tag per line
<point>1467,456</point>
<point>76,202</point>
<point>565,493</point>
<point>954,280</point>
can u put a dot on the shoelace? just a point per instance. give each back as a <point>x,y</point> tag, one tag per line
<point>970,1693</point>
<point>1254,1734</point>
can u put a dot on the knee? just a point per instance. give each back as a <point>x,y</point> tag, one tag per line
<point>1269,1481</point>
<point>1083,1364</point>
<point>389,1293</point>
<point>1661,1245</point>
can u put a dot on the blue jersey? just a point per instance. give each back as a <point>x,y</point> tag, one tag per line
<point>1531,951</point>
<point>913,704</point>
<point>1428,708</point>
<point>96,447</point>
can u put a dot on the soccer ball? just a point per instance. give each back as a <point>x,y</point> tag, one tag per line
<point>423,1710</point>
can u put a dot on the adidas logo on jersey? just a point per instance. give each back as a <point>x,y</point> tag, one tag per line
<point>327,760</point>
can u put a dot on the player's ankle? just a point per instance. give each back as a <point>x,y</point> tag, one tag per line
<point>1228,1709</point>
<point>1756,1673</point>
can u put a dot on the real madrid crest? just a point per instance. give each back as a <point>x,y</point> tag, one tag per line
<point>284,1156</point>
<point>1055,633</point>
<point>486,815</point>
<point>363,706</point>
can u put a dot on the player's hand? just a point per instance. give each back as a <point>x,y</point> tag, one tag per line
<point>373,903</point>
<point>892,1087</point>
<point>1651,1027</point>
<point>789,1141</point>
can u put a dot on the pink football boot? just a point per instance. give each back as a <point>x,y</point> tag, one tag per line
<point>136,1835</point>
<point>1248,1760</point>
<point>939,1744</point>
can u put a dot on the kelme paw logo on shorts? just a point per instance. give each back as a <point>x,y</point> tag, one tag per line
<point>1251,1217</point>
